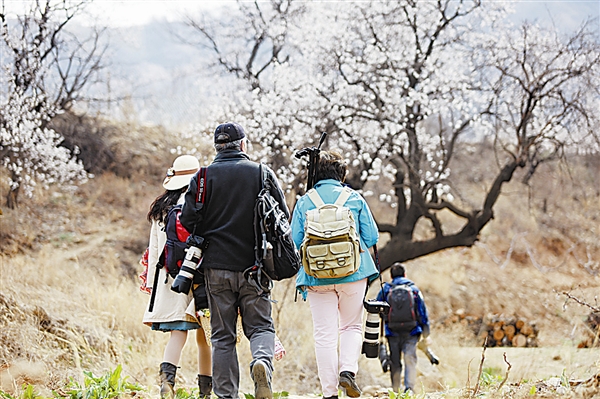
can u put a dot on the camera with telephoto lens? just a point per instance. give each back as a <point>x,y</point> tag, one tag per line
<point>189,267</point>
<point>384,358</point>
<point>370,346</point>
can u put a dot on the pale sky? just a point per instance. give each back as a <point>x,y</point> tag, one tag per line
<point>116,13</point>
<point>139,12</point>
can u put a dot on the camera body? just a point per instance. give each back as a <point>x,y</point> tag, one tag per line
<point>190,265</point>
<point>196,241</point>
<point>379,307</point>
<point>374,310</point>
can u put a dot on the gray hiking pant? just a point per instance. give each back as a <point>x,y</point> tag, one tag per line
<point>403,345</point>
<point>228,291</point>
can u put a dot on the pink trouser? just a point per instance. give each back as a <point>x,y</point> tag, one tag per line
<point>337,310</point>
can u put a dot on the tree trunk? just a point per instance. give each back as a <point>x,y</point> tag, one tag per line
<point>401,247</point>
<point>11,198</point>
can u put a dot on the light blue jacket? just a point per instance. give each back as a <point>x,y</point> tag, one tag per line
<point>329,190</point>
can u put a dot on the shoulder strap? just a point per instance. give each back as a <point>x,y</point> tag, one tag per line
<point>263,176</point>
<point>201,190</point>
<point>260,235</point>
<point>343,197</point>
<point>315,197</point>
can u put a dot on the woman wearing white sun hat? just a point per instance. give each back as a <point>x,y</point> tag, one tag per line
<point>173,312</point>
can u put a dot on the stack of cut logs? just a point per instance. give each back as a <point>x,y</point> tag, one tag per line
<point>508,332</point>
<point>498,329</point>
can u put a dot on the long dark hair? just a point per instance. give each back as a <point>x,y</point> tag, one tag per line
<point>161,205</point>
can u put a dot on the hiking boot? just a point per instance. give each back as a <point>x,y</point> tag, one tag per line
<point>349,384</point>
<point>205,386</point>
<point>167,380</point>
<point>262,381</point>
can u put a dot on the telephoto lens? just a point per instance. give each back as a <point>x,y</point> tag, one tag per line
<point>184,279</point>
<point>370,346</point>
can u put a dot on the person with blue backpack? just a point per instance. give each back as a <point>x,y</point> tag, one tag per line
<point>404,324</point>
<point>168,311</point>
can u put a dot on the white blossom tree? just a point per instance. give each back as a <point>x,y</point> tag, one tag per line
<point>261,96</point>
<point>399,87</point>
<point>44,70</point>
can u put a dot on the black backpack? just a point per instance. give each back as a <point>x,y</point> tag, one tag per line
<point>402,316</point>
<point>174,250</point>
<point>275,249</point>
<point>173,254</point>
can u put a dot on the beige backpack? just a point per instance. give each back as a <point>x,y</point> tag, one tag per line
<point>331,245</point>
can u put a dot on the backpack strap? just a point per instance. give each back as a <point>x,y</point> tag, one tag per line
<point>260,234</point>
<point>264,176</point>
<point>201,190</point>
<point>315,197</point>
<point>343,197</point>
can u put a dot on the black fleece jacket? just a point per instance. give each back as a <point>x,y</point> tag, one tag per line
<point>226,218</point>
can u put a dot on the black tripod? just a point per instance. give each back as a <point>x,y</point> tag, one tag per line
<point>313,160</point>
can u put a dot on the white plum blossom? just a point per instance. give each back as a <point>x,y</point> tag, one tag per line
<point>29,150</point>
<point>400,88</point>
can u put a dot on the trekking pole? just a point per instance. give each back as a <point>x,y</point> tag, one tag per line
<point>154,284</point>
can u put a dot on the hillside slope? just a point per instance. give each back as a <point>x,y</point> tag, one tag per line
<point>69,298</point>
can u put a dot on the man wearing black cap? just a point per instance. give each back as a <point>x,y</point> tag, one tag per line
<point>225,220</point>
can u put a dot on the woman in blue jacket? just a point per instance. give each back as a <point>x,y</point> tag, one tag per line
<point>336,304</point>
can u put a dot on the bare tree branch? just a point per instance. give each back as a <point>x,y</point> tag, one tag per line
<point>579,301</point>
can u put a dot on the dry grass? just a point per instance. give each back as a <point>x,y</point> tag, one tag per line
<point>69,298</point>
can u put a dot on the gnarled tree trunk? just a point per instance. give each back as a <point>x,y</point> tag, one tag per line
<point>401,247</point>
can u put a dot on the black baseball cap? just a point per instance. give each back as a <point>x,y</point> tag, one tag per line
<point>232,130</point>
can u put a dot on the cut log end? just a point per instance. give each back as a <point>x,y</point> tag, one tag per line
<point>519,341</point>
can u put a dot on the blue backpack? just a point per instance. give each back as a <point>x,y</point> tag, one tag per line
<point>402,316</point>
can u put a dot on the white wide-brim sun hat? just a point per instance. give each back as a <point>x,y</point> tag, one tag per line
<point>179,175</point>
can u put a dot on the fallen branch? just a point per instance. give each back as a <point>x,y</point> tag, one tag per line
<point>507,371</point>
<point>469,375</point>
<point>480,369</point>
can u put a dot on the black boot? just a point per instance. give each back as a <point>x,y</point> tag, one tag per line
<point>205,385</point>
<point>348,382</point>
<point>167,380</point>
